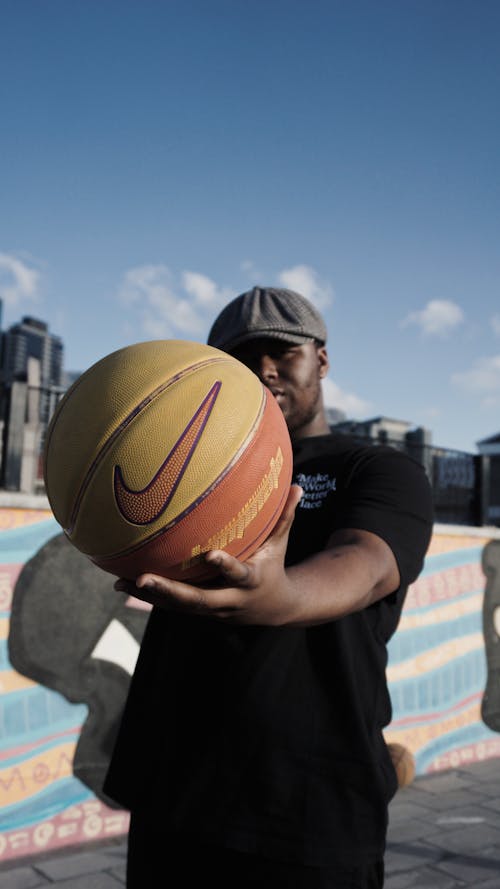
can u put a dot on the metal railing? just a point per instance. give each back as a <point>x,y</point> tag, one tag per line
<point>460,481</point>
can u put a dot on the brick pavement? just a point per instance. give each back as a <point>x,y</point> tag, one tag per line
<point>444,834</point>
<point>444,831</point>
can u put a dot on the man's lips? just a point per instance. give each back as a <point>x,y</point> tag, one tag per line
<point>279,395</point>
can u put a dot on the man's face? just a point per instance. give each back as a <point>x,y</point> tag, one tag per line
<point>293,374</point>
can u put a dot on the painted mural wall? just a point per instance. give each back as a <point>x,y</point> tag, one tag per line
<point>439,664</point>
<point>69,643</point>
<point>68,646</point>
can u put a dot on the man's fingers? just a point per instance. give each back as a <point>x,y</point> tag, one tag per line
<point>170,593</point>
<point>231,569</point>
<point>176,596</point>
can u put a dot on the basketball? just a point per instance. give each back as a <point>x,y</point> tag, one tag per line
<point>162,451</point>
<point>403,762</point>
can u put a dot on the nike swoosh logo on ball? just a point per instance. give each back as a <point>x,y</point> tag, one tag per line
<point>144,506</point>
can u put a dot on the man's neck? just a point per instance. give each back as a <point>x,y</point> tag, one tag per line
<point>317,426</point>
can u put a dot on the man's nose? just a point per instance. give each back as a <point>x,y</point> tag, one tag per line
<point>267,369</point>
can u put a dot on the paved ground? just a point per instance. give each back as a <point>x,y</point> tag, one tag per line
<point>445,831</point>
<point>444,834</point>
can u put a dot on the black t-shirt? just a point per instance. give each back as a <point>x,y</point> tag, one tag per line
<point>269,739</point>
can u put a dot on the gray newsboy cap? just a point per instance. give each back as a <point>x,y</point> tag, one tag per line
<point>267,312</point>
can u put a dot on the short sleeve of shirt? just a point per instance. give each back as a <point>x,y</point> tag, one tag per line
<point>388,493</point>
<point>374,488</point>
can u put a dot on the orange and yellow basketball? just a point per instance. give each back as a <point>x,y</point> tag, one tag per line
<point>162,451</point>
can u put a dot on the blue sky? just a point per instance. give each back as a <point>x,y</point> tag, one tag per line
<point>157,158</point>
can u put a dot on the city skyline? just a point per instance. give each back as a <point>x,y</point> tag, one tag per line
<point>14,366</point>
<point>158,159</point>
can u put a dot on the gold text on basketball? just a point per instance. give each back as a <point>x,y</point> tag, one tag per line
<point>238,525</point>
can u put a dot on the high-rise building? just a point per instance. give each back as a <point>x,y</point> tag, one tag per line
<point>30,339</point>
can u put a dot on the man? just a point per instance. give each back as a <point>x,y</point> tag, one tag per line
<point>251,749</point>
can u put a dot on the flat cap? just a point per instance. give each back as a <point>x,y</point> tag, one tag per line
<point>267,312</point>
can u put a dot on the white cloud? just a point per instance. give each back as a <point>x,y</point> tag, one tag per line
<point>490,401</point>
<point>18,281</point>
<point>482,378</point>
<point>305,280</point>
<point>145,281</point>
<point>163,313</point>
<point>495,324</point>
<point>161,305</point>
<point>167,310</point>
<point>205,291</point>
<point>250,269</point>
<point>438,317</point>
<point>431,413</point>
<point>352,405</point>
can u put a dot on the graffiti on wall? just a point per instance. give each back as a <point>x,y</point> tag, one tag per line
<point>69,647</point>
<point>490,709</point>
<point>437,661</point>
<point>69,642</point>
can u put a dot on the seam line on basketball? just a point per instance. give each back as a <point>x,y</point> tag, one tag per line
<point>229,466</point>
<point>123,425</point>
